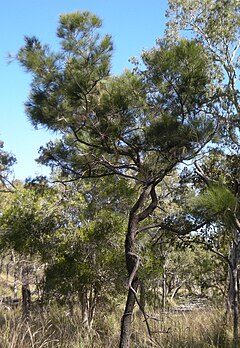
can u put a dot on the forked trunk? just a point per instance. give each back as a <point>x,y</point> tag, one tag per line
<point>88,300</point>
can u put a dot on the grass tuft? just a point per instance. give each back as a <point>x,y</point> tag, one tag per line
<point>57,328</point>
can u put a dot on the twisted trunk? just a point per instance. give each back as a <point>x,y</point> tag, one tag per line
<point>132,259</point>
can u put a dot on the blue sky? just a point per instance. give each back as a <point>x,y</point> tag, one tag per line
<point>133,24</point>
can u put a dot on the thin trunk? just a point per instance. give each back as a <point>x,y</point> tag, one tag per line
<point>131,259</point>
<point>88,301</point>
<point>126,327</point>
<point>142,298</point>
<point>235,310</point>
<point>15,291</point>
<point>15,275</point>
<point>175,291</point>
<point>92,299</point>
<point>84,307</point>
<point>233,294</point>
<point>26,293</point>
<point>131,299</point>
<point>164,290</point>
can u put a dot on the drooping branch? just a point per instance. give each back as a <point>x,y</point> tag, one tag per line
<point>169,228</point>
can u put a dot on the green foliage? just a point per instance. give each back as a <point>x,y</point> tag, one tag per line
<point>77,23</point>
<point>62,81</point>
<point>25,225</point>
<point>217,199</point>
<point>212,20</point>
<point>130,125</point>
<point>78,236</point>
<point>181,73</point>
<point>178,76</point>
<point>7,160</point>
<point>138,126</point>
<point>92,258</point>
<point>217,202</point>
<point>216,24</point>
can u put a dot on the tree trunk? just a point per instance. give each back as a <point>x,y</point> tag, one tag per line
<point>26,293</point>
<point>233,294</point>
<point>131,258</point>
<point>131,299</point>
<point>142,298</point>
<point>175,291</point>
<point>88,301</point>
<point>164,290</point>
<point>26,301</point>
<point>235,310</point>
<point>126,325</point>
<point>15,276</point>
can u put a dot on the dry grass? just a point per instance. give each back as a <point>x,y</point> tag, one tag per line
<point>57,328</point>
<point>196,329</point>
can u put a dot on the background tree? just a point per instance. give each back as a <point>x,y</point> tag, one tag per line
<point>78,246</point>
<point>7,160</point>
<point>216,24</point>
<point>220,200</point>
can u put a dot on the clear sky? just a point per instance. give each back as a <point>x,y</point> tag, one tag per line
<point>133,24</point>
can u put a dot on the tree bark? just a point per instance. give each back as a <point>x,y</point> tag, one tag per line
<point>131,299</point>
<point>164,290</point>
<point>88,301</point>
<point>233,292</point>
<point>126,325</point>
<point>26,301</point>
<point>26,294</point>
<point>235,310</point>
<point>131,258</point>
<point>142,298</point>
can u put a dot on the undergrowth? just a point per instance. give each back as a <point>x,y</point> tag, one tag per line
<point>57,328</point>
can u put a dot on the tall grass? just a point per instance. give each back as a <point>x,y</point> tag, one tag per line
<point>55,328</point>
<point>196,329</point>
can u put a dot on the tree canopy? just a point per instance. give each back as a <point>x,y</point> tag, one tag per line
<point>141,160</point>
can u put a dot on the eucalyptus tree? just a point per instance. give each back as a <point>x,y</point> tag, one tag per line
<point>219,204</point>
<point>216,24</point>
<point>139,125</point>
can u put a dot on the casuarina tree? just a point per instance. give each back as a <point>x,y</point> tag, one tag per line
<point>140,125</point>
